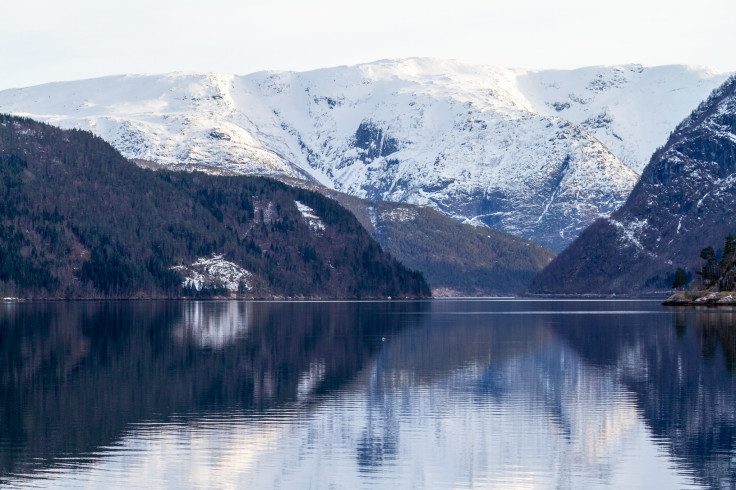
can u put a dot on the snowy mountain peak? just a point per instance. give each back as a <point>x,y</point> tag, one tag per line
<point>537,153</point>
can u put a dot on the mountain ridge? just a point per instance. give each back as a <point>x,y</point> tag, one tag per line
<point>463,139</point>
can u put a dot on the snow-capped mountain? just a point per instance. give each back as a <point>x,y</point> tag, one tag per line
<point>631,109</point>
<point>523,152</point>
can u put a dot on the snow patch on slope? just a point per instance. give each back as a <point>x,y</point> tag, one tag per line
<point>631,232</point>
<point>314,221</point>
<point>214,270</point>
<point>399,214</point>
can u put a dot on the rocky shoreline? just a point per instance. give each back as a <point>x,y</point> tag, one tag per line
<point>702,298</point>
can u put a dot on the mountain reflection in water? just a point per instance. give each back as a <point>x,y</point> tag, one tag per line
<point>433,394</point>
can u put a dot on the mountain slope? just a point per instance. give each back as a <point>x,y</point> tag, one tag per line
<point>683,202</point>
<point>78,220</point>
<point>478,143</point>
<point>456,259</point>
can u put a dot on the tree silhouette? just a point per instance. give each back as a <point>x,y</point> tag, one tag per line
<point>680,280</point>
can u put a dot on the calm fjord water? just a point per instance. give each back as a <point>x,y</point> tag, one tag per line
<point>431,394</point>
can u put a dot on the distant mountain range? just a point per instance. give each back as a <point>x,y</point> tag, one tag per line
<point>537,154</point>
<point>682,204</point>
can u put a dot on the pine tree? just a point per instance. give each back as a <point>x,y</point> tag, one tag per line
<point>727,271</point>
<point>680,279</point>
<point>729,252</point>
<point>709,272</point>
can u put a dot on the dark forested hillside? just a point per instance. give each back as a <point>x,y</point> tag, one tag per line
<point>684,201</point>
<point>79,220</point>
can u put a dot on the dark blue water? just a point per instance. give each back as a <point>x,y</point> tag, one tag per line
<point>434,394</point>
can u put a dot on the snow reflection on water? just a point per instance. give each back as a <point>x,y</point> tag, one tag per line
<point>214,324</point>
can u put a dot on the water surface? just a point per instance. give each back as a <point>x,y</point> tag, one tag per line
<point>426,394</point>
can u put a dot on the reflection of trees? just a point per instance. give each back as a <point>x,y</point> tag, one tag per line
<point>679,368</point>
<point>717,331</point>
<point>75,375</point>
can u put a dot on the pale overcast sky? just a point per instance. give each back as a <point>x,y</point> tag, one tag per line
<point>51,40</point>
